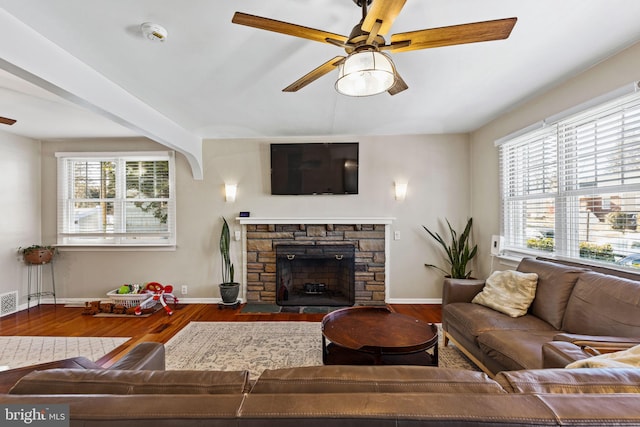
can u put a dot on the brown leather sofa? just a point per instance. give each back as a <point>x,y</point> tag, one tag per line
<point>573,308</point>
<point>337,396</point>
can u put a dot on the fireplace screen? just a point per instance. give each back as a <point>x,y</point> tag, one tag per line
<point>315,275</point>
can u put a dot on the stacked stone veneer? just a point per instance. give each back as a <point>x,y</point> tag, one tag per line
<point>368,239</point>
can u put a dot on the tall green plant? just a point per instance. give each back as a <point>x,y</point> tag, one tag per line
<point>458,252</point>
<point>227,266</point>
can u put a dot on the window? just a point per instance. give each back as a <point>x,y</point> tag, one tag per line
<point>571,187</point>
<point>116,199</point>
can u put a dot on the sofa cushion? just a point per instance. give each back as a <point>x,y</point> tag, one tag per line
<point>474,319</point>
<point>515,350</point>
<point>629,358</point>
<point>555,283</point>
<point>509,292</point>
<point>603,305</point>
<point>100,381</point>
<point>571,381</point>
<point>369,379</point>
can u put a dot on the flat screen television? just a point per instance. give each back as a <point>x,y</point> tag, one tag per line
<point>314,168</point>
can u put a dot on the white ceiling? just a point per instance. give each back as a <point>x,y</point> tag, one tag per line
<point>215,79</point>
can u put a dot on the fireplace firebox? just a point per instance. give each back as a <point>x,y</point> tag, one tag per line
<point>315,275</point>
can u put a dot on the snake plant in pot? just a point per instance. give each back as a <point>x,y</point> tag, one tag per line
<point>459,253</point>
<point>228,288</point>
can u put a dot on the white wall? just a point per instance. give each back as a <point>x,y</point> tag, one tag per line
<point>20,205</point>
<point>609,75</point>
<point>435,166</point>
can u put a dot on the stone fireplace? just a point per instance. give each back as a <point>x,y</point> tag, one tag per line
<point>362,242</point>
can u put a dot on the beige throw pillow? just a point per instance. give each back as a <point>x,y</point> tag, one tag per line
<point>509,292</point>
<point>620,359</point>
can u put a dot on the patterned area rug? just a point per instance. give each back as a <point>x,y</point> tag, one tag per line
<point>256,346</point>
<point>17,351</point>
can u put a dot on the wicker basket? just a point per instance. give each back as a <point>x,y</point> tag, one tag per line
<point>128,300</point>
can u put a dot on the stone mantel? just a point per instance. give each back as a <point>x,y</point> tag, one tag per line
<point>315,220</point>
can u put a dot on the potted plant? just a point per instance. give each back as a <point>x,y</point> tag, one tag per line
<point>228,288</point>
<point>459,253</point>
<point>37,254</point>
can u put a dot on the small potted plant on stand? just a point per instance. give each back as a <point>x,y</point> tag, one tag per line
<point>229,289</point>
<point>37,254</point>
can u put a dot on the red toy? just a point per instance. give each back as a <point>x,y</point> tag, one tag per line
<point>160,293</point>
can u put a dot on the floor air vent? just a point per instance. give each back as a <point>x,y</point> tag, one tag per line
<point>8,303</point>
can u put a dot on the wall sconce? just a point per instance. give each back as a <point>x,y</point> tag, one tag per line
<point>401,191</point>
<point>230,191</point>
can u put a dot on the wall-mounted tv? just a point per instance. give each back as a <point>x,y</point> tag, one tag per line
<point>314,168</point>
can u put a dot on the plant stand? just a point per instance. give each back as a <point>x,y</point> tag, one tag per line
<point>34,276</point>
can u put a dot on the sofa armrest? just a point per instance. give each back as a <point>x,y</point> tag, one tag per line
<point>144,356</point>
<point>558,354</point>
<point>460,290</point>
<point>603,344</point>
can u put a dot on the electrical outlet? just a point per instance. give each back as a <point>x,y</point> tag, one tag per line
<point>184,290</point>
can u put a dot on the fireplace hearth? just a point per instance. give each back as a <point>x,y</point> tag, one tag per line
<point>315,275</point>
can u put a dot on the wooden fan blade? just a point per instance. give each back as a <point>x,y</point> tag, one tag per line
<point>7,121</point>
<point>385,11</point>
<point>314,75</point>
<point>453,35</point>
<point>285,28</point>
<point>398,86</point>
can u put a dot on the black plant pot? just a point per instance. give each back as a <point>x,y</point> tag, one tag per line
<point>229,292</point>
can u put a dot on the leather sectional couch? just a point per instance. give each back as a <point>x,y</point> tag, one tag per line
<point>337,396</point>
<point>574,307</point>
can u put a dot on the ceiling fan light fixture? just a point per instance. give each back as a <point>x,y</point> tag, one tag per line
<point>365,73</point>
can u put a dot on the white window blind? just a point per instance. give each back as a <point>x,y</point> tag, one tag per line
<point>572,188</point>
<point>116,199</point>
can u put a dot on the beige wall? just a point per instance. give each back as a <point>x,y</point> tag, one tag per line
<point>609,75</point>
<point>435,166</point>
<point>20,199</point>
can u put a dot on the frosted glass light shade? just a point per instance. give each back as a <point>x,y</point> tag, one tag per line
<point>230,191</point>
<point>365,73</point>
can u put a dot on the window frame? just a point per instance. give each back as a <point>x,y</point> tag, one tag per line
<point>115,240</point>
<point>566,199</point>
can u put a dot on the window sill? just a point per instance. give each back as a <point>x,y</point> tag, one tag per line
<point>113,248</point>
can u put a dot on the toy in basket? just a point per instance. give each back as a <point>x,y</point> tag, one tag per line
<point>128,296</point>
<point>159,293</point>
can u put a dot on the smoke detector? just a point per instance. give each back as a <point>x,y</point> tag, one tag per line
<point>154,32</point>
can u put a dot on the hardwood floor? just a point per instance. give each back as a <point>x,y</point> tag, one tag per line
<point>57,320</point>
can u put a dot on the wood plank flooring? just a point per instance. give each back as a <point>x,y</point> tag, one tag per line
<point>57,320</point>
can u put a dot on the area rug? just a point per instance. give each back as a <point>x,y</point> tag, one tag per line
<point>256,346</point>
<point>18,351</point>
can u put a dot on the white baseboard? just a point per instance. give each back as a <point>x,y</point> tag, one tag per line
<point>80,301</point>
<point>415,301</point>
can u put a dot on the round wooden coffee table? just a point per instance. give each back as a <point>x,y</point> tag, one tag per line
<point>377,336</point>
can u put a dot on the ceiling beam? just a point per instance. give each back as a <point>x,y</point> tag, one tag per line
<point>32,57</point>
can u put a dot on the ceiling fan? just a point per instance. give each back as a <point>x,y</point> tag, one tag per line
<point>7,121</point>
<point>367,70</point>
